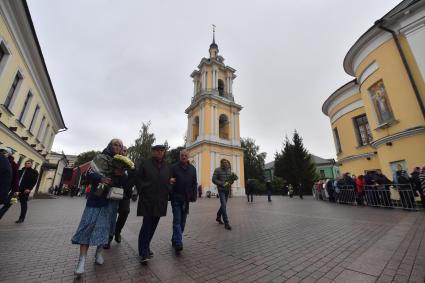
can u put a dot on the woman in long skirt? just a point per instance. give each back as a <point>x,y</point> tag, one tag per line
<point>95,221</point>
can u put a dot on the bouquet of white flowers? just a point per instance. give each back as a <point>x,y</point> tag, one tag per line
<point>107,166</point>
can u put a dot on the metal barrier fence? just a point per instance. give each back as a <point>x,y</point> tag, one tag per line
<point>388,196</point>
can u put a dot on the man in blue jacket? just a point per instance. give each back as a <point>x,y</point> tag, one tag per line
<point>183,192</point>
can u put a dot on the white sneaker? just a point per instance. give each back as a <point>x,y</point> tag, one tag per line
<point>80,265</point>
<point>98,257</point>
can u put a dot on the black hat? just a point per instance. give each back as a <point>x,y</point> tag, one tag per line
<point>158,147</point>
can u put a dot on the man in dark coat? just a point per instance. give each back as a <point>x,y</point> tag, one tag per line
<point>269,188</point>
<point>27,180</point>
<point>416,184</point>
<point>404,188</point>
<point>14,184</point>
<point>5,175</point>
<point>249,189</point>
<point>183,192</point>
<point>153,181</point>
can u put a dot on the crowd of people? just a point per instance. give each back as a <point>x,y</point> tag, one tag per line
<point>15,184</point>
<point>375,189</point>
<point>157,182</point>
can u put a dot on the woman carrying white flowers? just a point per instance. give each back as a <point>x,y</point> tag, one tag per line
<point>95,222</point>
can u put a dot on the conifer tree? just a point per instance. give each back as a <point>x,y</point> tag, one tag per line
<point>142,147</point>
<point>253,159</point>
<point>294,163</point>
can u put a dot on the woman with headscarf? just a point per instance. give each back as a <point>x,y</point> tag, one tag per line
<point>95,222</point>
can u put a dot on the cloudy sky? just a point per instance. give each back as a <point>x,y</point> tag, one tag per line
<point>116,64</point>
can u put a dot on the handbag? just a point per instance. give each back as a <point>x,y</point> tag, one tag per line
<point>115,193</point>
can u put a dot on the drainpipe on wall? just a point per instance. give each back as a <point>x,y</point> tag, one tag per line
<point>380,24</point>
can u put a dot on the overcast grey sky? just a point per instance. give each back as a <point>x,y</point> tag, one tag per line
<point>116,64</point>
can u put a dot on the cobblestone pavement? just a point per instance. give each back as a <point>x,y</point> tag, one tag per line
<point>287,240</point>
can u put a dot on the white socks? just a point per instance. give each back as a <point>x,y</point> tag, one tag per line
<point>80,265</point>
<point>99,258</point>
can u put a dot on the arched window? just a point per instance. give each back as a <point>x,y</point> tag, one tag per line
<point>195,128</point>
<point>220,87</point>
<point>223,127</point>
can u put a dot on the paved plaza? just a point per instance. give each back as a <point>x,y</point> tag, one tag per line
<point>288,240</point>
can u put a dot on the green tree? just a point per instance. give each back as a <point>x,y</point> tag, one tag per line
<point>142,147</point>
<point>173,155</point>
<point>294,163</point>
<point>85,157</point>
<point>253,159</point>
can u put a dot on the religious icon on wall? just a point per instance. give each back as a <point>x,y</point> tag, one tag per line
<point>380,102</point>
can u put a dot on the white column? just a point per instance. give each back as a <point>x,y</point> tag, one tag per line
<point>227,84</point>
<point>237,127</point>
<point>201,121</point>
<point>199,169</point>
<point>194,87</point>
<point>230,85</point>
<point>216,122</point>
<point>216,79</point>
<point>212,165</point>
<point>211,133</point>
<point>232,127</point>
<point>238,171</point>
<point>188,133</point>
<point>206,80</point>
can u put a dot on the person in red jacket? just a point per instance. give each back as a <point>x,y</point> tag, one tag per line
<point>360,183</point>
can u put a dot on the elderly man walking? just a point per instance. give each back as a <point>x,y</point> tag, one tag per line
<point>183,192</point>
<point>153,181</point>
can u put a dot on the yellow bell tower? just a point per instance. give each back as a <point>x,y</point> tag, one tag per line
<point>213,122</point>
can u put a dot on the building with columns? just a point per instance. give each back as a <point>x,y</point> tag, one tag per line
<point>30,116</point>
<point>213,122</point>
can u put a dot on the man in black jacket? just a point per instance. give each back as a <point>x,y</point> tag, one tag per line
<point>27,180</point>
<point>184,191</point>
<point>153,181</point>
<point>5,176</point>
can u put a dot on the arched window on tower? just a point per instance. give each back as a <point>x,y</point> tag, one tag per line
<point>220,87</point>
<point>223,127</point>
<point>195,128</point>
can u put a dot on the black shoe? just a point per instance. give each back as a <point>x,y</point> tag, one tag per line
<point>218,219</point>
<point>19,220</point>
<point>178,249</point>
<point>173,244</point>
<point>227,226</point>
<point>118,238</point>
<point>144,260</point>
<point>107,246</point>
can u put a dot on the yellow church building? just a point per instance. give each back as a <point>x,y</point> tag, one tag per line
<point>378,118</point>
<point>213,122</point>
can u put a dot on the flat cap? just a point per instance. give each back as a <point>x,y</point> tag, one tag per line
<point>158,147</point>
